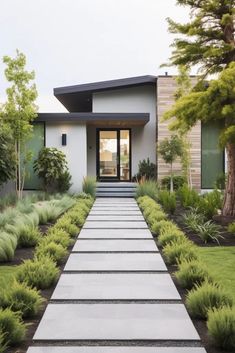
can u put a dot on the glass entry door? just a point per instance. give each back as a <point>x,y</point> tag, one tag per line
<point>113,155</point>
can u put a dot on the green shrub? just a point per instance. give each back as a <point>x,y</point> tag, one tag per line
<point>175,252</point>
<point>188,197</point>
<point>58,236</point>
<point>146,170</point>
<point>221,327</point>
<point>191,273</point>
<point>77,217</point>
<point>8,217</point>
<point>156,216</point>
<point>8,243</point>
<point>147,210</point>
<point>221,181</point>
<point>169,236</point>
<point>206,296</point>
<point>21,298</point>
<point>12,327</point>
<point>8,200</point>
<point>83,195</point>
<point>29,236</point>
<point>40,273</point>
<point>147,188</point>
<point>231,228</point>
<point>24,206</point>
<point>210,203</point>
<point>3,344</point>
<point>178,181</point>
<point>164,224</point>
<point>66,225</point>
<point>167,200</point>
<point>53,250</point>
<point>64,181</point>
<point>209,231</point>
<point>89,186</point>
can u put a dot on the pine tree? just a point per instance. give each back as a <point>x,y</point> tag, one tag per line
<point>208,41</point>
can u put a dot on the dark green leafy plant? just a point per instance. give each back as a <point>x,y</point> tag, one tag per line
<point>167,200</point>
<point>209,231</point>
<point>193,218</point>
<point>210,203</point>
<point>64,181</point>
<point>221,327</point>
<point>178,182</point>
<point>205,297</point>
<point>7,154</point>
<point>188,197</point>
<point>50,166</point>
<point>146,170</point>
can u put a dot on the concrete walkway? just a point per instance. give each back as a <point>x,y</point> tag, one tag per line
<point>115,294</point>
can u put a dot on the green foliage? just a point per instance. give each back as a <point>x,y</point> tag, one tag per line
<point>205,297</point>
<point>176,252</point>
<point>52,250</point>
<point>188,197</point>
<point>29,236</point>
<point>20,298</point>
<point>155,216</point>
<point>231,228</point>
<point>58,236</point>
<point>24,206</point>
<point>146,170</point>
<point>178,182</point>
<point>40,273</point>
<point>164,224</point>
<point>12,327</point>
<point>7,154</point>
<point>8,243</point>
<point>193,218</point>
<point>191,273</point>
<point>210,203</point>
<point>64,181</point>
<point>66,225</point>
<point>89,186</point>
<point>221,327</point>
<point>204,43</point>
<point>147,188</point>
<point>221,181</point>
<point>19,110</point>
<point>167,200</point>
<point>168,236</point>
<point>209,231</point>
<point>8,200</point>
<point>3,344</point>
<point>50,166</point>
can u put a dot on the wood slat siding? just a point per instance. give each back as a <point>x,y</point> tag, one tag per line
<point>166,87</point>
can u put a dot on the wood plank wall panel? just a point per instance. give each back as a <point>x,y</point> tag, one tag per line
<point>166,87</point>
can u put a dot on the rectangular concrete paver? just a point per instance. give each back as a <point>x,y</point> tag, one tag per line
<point>115,262</point>
<point>107,217</point>
<point>113,225</point>
<point>119,286</point>
<point>115,233</point>
<point>116,322</point>
<point>108,349</point>
<point>83,245</point>
<point>117,213</point>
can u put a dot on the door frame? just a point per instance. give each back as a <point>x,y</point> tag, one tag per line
<point>117,178</point>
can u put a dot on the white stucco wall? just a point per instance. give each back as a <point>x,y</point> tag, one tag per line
<point>130,100</point>
<point>75,150</point>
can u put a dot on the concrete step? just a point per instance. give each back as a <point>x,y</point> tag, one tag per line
<point>115,194</point>
<point>115,189</point>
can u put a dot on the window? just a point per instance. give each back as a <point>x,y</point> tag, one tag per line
<point>35,144</point>
<point>212,155</point>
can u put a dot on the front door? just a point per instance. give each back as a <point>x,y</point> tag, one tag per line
<point>113,155</point>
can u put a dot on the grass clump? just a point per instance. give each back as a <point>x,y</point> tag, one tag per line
<point>175,252</point>
<point>11,327</point>
<point>205,297</point>
<point>8,244</point>
<point>167,200</point>
<point>52,250</point>
<point>147,188</point>
<point>66,225</point>
<point>209,231</point>
<point>221,327</point>
<point>29,236</point>
<point>231,228</point>
<point>58,236</point>
<point>89,186</point>
<point>40,273</point>
<point>20,298</point>
<point>168,236</point>
<point>191,273</point>
<point>158,226</point>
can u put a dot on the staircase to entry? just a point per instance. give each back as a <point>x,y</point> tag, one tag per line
<point>118,189</point>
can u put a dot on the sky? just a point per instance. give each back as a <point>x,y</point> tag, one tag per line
<point>69,42</point>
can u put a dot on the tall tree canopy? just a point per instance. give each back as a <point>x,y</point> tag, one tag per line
<point>208,41</point>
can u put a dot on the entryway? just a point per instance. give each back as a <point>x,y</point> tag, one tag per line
<point>113,155</point>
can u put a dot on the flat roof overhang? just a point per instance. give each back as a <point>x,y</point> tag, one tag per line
<point>97,119</point>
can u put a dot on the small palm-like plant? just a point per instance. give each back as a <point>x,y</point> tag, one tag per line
<point>192,218</point>
<point>209,231</point>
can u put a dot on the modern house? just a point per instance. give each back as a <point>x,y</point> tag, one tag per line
<point>110,126</point>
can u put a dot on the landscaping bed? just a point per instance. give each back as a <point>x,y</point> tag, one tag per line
<point>41,239</point>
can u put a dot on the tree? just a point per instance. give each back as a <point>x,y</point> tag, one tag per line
<point>170,149</point>
<point>19,111</point>
<point>51,167</point>
<point>7,154</point>
<point>208,42</point>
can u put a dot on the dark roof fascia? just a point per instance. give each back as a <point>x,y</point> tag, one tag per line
<point>106,85</point>
<point>91,117</point>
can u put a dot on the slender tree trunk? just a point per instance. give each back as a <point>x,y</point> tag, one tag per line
<point>171,185</point>
<point>229,197</point>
